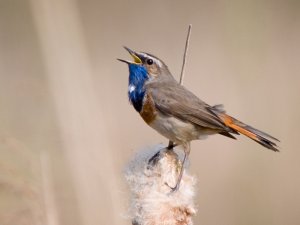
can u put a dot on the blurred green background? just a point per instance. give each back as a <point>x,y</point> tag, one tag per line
<point>67,129</point>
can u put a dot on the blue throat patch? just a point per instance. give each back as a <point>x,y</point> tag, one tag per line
<point>136,92</point>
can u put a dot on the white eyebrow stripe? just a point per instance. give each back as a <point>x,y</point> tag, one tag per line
<point>154,59</point>
<point>157,62</point>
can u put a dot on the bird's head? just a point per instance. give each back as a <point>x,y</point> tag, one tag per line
<point>144,67</point>
<point>154,67</point>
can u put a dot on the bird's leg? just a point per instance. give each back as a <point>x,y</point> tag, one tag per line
<point>187,149</point>
<point>171,145</point>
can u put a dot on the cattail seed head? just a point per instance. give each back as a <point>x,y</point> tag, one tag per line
<point>150,175</point>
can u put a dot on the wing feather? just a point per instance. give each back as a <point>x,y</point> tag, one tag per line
<point>175,100</point>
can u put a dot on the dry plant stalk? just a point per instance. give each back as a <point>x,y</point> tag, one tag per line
<point>185,54</point>
<point>149,176</point>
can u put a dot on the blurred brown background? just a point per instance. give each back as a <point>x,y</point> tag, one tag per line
<point>67,129</point>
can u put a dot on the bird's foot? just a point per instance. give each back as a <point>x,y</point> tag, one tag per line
<point>173,189</point>
<point>153,160</point>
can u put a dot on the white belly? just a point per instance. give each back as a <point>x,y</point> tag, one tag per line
<point>177,130</point>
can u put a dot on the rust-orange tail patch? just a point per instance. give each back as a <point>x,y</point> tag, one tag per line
<point>260,137</point>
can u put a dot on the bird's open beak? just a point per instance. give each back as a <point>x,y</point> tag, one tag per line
<point>134,55</point>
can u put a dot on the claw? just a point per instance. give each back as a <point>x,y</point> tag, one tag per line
<point>173,189</point>
<point>153,160</point>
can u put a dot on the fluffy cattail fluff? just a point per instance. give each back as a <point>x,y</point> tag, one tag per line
<point>150,175</point>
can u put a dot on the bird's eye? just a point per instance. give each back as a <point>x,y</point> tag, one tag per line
<point>149,61</point>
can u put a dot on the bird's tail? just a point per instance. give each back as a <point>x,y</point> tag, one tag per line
<point>260,137</point>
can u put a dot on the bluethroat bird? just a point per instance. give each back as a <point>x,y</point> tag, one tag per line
<point>177,113</point>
